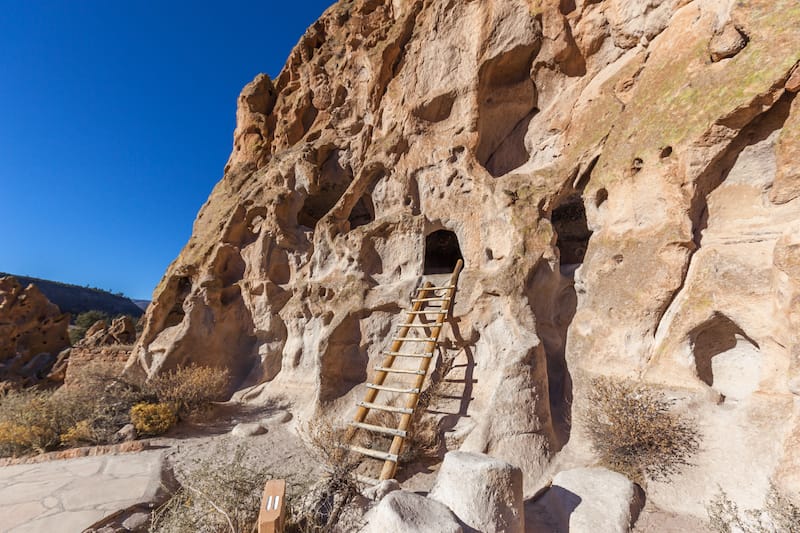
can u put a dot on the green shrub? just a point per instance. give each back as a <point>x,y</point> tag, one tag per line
<point>635,431</point>
<point>152,418</point>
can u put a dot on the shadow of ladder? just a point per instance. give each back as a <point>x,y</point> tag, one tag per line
<point>421,307</point>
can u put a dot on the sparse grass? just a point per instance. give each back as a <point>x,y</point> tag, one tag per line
<point>221,493</point>
<point>98,403</point>
<point>635,431</point>
<point>324,506</point>
<point>780,515</point>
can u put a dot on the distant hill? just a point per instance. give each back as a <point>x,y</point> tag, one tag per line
<point>141,303</point>
<point>75,299</point>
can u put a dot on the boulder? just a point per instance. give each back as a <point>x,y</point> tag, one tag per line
<point>485,493</point>
<point>587,500</point>
<point>248,429</point>
<point>377,492</point>
<point>405,512</point>
<point>727,43</point>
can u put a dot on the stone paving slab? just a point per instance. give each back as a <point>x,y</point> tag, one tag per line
<point>70,495</point>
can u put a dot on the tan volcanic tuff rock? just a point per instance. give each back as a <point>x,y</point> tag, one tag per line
<point>32,333</point>
<point>624,206</point>
<point>122,331</point>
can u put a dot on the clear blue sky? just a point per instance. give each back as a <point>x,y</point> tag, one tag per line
<point>116,120</point>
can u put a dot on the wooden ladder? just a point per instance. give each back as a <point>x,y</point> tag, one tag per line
<point>406,334</point>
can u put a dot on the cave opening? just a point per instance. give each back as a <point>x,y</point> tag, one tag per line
<point>362,213</point>
<point>326,189</point>
<point>442,252</point>
<point>572,229</point>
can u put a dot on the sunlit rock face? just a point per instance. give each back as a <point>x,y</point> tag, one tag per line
<point>621,181</point>
<point>32,333</point>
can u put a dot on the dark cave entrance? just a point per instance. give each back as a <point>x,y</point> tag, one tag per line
<point>569,223</point>
<point>572,231</point>
<point>442,252</point>
<point>363,212</point>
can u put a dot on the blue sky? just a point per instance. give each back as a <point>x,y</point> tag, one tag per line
<point>116,120</point>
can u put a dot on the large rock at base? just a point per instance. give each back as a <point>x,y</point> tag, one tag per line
<point>485,493</point>
<point>587,500</point>
<point>32,333</point>
<point>405,512</point>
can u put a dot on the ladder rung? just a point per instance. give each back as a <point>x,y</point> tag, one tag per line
<point>380,429</point>
<point>390,408</point>
<point>426,326</point>
<point>392,389</point>
<point>434,299</point>
<point>414,339</point>
<point>429,311</point>
<point>426,355</point>
<point>400,370</point>
<point>420,289</point>
<point>383,456</point>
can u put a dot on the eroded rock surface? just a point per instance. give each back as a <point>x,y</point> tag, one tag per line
<point>623,204</point>
<point>585,500</point>
<point>32,333</point>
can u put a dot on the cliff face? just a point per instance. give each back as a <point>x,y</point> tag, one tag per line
<point>622,181</point>
<point>32,333</point>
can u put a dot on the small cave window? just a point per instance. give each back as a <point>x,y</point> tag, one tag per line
<point>318,204</point>
<point>363,212</point>
<point>442,252</point>
<point>569,223</point>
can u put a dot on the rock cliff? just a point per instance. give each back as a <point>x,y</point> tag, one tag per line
<point>621,179</point>
<point>32,333</point>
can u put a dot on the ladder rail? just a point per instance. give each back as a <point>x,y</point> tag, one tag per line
<point>390,467</point>
<point>425,295</point>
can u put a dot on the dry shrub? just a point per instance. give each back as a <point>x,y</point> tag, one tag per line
<point>780,515</point>
<point>100,399</point>
<point>190,389</point>
<point>221,493</point>
<point>322,507</point>
<point>634,430</point>
<point>27,422</point>
<point>153,418</point>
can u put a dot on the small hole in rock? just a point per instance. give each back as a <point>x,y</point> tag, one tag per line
<point>665,152</point>
<point>600,197</point>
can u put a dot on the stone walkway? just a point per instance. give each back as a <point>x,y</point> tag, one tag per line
<point>70,495</point>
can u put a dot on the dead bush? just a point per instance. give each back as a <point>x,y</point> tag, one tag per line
<point>323,507</point>
<point>221,493</point>
<point>635,431</point>
<point>190,389</point>
<point>779,515</point>
<point>27,422</point>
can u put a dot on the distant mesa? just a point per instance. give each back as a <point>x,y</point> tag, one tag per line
<point>74,299</point>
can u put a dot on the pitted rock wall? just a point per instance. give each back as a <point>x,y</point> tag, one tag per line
<point>670,126</point>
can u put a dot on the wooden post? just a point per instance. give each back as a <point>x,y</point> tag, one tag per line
<point>272,515</point>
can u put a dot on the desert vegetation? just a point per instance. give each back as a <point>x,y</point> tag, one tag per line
<point>779,515</point>
<point>634,430</point>
<point>100,403</point>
